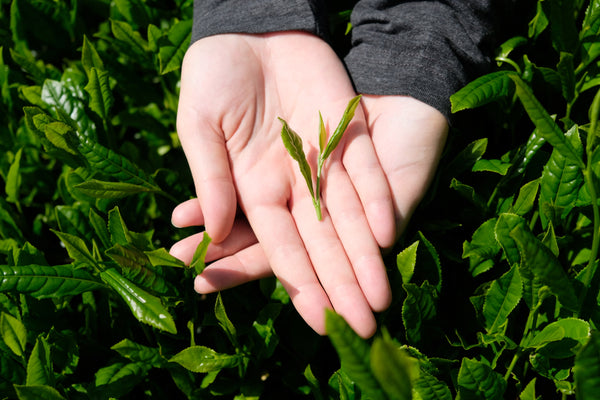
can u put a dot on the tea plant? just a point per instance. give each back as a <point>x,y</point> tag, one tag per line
<point>495,281</point>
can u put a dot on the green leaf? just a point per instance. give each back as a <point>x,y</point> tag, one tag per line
<point>111,190</point>
<point>500,300</point>
<point>559,339</point>
<point>170,54</point>
<point>566,70</point>
<point>72,220</point>
<point>224,321</point>
<point>393,368</point>
<point>139,353</point>
<point>354,354</point>
<point>526,198</point>
<point>114,165</point>
<point>429,387</point>
<point>266,337</point>
<point>505,224</point>
<point>132,39</point>
<point>13,178</point>
<point>406,260</point>
<point>37,392</point>
<point>418,310</point>
<point>90,57</point>
<point>293,144</point>
<point>547,128</point>
<point>465,160</point>
<point>161,257</point>
<point>204,359</point>
<point>587,369</point>
<point>478,380</point>
<point>482,90</point>
<point>101,97</point>
<point>136,267</point>
<point>529,392</point>
<point>539,260</point>
<point>562,179</point>
<point>62,137</point>
<point>39,365</point>
<point>145,307</point>
<point>120,378</point>
<point>482,248</point>
<point>197,262</point>
<point>508,46</point>
<point>76,248</point>
<point>47,282</point>
<point>334,140</point>
<point>497,166</point>
<point>538,23</point>
<point>322,134</point>
<point>13,333</point>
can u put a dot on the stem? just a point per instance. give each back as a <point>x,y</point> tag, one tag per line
<point>317,197</point>
<point>511,62</point>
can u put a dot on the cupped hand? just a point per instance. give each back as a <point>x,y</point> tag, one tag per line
<point>408,136</point>
<point>233,89</point>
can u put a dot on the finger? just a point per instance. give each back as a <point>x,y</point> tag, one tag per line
<point>244,266</point>
<point>367,177</point>
<point>188,213</point>
<point>352,228</point>
<point>241,237</point>
<point>208,159</point>
<point>332,267</point>
<point>286,254</point>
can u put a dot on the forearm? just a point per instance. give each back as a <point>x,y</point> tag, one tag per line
<point>212,17</point>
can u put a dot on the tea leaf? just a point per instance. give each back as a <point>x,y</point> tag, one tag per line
<point>526,198</point>
<point>47,282</point>
<point>529,392</point>
<point>13,333</point>
<point>125,33</point>
<point>482,91</point>
<point>90,57</point>
<point>482,248</point>
<point>76,248</point>
<point>119,378</point>
<point>197,262</point>
<point>293,144</point>
<point>224,321</point>
<point>139,353</point>
<point>145,307</point>
<point>393,368</point>
<point>98,87</point>
<point>354,354</point>
<point>341,128</point>
<point>587,369</point>
<point>566,328</point>
<point>322,134</point>
<point>111,190</point>
<point>39,365</point>
<point>430,388</point>
<point>37,392</point>
<point>406,260</point>
<point>161,257</point>
<point>13,179</point>
<point>538,259</point>
<point>171,55</point>
<point>567,75</point>
<point>418,309</point>
<point>480,381</point>
<point>505,224</point>
<point>546,126</point>
<point>136,266</point>
<point>500,300</point>
<point>118,167</point>
<point>204,359</point>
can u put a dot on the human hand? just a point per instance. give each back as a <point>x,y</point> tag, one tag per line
<point>233,89</point>
<point>408,136</point>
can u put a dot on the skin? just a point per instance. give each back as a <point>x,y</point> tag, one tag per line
<point>372,181</point>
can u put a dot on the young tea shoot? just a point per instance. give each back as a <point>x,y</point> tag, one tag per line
<point>293,144</point>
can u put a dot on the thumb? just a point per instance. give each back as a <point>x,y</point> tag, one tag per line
<point>207,156</point>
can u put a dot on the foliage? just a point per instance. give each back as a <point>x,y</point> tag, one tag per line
<point>495,281</point>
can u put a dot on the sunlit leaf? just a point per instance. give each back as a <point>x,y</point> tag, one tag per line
<point>500,300</point>
<point>37,392</point>
<point>406,260</point>
<point>13,333</point>
<point>198,263</point>
<point>204,359</point>
<point>341,128</point>
<point>144,306</point>
<point>478,380</point>
<point>101,97</point>
<point>39,365</point>
<point>293,144</point>
<point>170,53</point>
<point>482,91</point>
<point>47,281</point>
<point>393,368</point>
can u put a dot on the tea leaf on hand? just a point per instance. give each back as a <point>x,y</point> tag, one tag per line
<point>198,263</point>
<point>293,143</point>
<point>341,128</point>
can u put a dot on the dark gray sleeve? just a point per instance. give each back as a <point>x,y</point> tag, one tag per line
<point>424,49</point>
<point>212,17</point>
